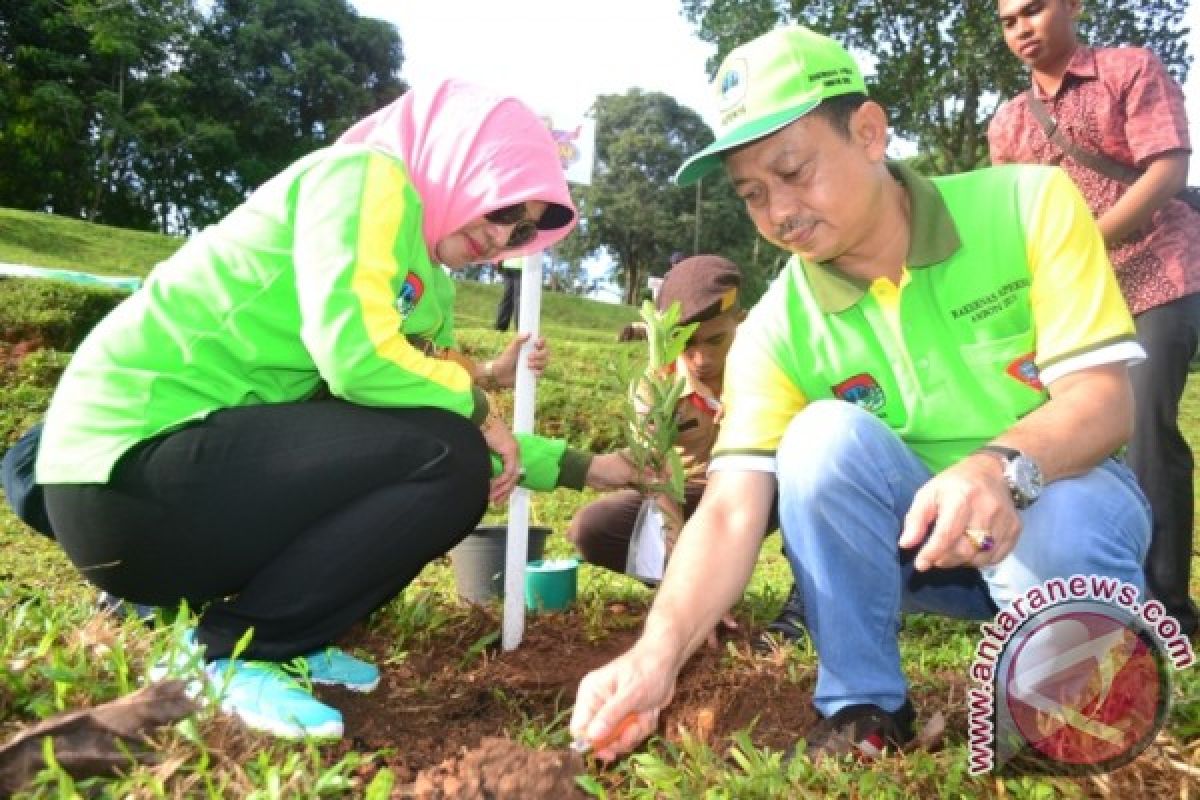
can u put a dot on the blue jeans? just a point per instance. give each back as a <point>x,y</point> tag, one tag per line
<point>845,483</point>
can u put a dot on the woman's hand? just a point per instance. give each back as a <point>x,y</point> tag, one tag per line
<point>500,441</point>
<point>504,366</point>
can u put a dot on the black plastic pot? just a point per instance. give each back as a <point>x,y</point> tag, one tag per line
<point>479,560</point>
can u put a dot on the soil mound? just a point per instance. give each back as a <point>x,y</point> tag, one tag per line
<point>501,769</point>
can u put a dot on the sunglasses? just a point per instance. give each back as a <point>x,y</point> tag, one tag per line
<point>524,232</point>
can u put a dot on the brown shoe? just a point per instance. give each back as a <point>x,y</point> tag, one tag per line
<point>865,731</point>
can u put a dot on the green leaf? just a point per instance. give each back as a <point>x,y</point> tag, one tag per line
<point>380,787</point>
<point>592,786</point>
<point>480,644</point>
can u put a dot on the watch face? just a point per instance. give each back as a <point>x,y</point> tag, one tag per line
<point>1026,480</point>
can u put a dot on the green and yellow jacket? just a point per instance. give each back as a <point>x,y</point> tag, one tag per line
<point>321,275</point>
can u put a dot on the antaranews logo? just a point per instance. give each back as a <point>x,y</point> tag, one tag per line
<point>1073,677</point>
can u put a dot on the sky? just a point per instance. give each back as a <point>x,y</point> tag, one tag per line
<point>557,56</point>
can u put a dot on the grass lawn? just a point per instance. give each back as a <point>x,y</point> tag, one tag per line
<point>57,655</point>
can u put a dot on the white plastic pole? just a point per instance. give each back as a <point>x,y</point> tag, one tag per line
<point>516,553</point>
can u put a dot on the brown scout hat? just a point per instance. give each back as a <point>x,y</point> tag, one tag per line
<point>704,287</point>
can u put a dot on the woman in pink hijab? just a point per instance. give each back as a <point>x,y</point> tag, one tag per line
<point>267,429</point>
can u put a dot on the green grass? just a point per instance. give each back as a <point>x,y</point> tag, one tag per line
<point>45,240</point>
<point>56,656</point>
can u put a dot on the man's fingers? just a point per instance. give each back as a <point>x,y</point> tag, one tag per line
<point>590,699</point>
<point>618,727</point>
<point>626,734</point>
<point>943,539</point>
<point>921,514</point>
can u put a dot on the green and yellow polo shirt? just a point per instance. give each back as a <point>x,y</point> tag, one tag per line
<point>1006,289</point>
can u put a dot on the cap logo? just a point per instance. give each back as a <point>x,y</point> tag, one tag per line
<point>732,85</point>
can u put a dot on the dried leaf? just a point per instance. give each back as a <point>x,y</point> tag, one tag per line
<point>95,741</point>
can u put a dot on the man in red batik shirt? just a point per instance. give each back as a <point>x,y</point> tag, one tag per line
<point>1121,103</point>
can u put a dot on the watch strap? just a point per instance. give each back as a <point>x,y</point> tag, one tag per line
<point>1007,453</point>
<point>1011,457</point>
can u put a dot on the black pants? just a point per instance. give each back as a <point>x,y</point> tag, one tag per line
<point>508,311</point>
<point>1158,453</point>
<point>297,520</point>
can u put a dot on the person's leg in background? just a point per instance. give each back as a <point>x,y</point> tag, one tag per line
<point>602,529</point>
<point>788,625</point>
<point>507,310</point>
<point>516,279</point>
<point>1159,454</point>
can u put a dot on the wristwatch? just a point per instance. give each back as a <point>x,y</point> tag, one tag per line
<point>1023,475</point>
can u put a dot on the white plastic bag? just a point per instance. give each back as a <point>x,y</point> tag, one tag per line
<point>647,555</point>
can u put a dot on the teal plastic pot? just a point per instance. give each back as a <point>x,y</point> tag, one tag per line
<point>551,585</point>
<point>479,561</point>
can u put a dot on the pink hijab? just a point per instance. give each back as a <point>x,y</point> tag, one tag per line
<point>470,151</point>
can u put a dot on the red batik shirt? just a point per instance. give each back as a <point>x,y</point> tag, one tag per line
<point>1120,102</point>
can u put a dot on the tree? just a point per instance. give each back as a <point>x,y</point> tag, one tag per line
<point>287,77</point>
<point>941,66</point>
<point>166,113</point>
<point>140,125</point>
<point>566,277</point>
<point>75,78</point>
<point>632,211</point>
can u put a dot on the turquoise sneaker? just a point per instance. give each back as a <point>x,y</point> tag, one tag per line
<point>335,667</point>
<point>266,698</point>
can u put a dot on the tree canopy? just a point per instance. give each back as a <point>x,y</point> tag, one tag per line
<point>635,214</point>
<point>941,66</point>
<point>164,113</point>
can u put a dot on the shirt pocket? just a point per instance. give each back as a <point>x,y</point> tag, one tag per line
<point>1003,376</point>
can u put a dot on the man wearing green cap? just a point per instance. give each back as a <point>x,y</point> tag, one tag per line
<point>932,388</point>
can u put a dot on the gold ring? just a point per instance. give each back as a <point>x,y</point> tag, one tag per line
<point>982,540</point>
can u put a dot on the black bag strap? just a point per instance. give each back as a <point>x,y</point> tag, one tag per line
<point>1092,160</point>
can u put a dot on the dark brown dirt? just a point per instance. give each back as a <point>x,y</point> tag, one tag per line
<point>432,711</point>
<point>449,719</point>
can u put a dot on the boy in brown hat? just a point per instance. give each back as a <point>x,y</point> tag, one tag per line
<point>707,288</point>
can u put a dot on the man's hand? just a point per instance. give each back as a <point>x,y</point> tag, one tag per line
<point>641,682</point>
<point>504,366</point>
<point>611,471</point>
<point>500,441</point>
<point>971,495</point>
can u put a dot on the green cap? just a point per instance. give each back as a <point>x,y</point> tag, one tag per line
<point>768,83</point>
